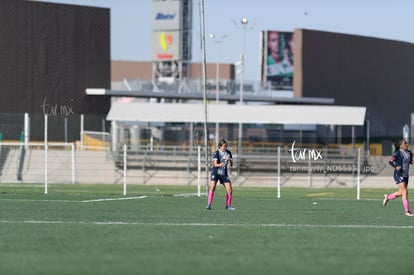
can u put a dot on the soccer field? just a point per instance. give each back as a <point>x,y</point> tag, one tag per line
<point>85,229</point>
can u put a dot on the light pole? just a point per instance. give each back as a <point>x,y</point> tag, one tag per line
<point>203,70</point>
<point>244,23</point>
<point>218,41</point>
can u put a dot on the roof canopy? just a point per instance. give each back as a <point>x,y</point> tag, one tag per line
<point>272,114</point>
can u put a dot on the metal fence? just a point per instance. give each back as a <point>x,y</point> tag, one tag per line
<point>281,166</point>
<point>31,127</point>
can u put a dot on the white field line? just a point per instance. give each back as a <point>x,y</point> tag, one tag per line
<point>115,199</point>
<point>74,201</point>
<point>264,225</point>
<point>95,200</point>
<point>40,200</point>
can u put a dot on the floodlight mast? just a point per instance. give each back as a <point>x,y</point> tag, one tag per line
<point>203,87</point>
<point>244,21</point>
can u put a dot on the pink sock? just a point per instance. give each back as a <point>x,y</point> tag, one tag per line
<point>210,197</point>
<point>391,196</point>
<point>228,199</point>
<point>406,207</point>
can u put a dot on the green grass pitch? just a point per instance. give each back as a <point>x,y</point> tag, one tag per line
<point>94,229</point>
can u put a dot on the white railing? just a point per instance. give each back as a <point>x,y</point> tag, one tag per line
<point>37,163</point>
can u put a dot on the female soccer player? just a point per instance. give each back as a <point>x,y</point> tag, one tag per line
<point>221,158</point>
<point>401,160</point>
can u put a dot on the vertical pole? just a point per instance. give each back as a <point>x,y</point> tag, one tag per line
<point>65,130</point>
<point>151,143</point>
<point>244,22</point>
<point>191,138</point>
<point>243,58</point>
<point>203,51</point>
<point>359,174</point>
<point>353,138</point>
<point>368,139</point>
<point>114,131</point>
<point>310,173</point>
<point>46,156</point>
<point>239,148</point>
<point>81,131</point>
<point>73,163</point>
<point>353,153</point>
<point>278,172</point>
<point>103,126</point>
<point>217,90</point>
<point>26,130</point>
<point>125,169</point>
<point>198,171</point>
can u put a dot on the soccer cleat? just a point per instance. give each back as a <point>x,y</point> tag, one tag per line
<point>385,201</point>
<point>409,214</point>
<point>208,207</point>
<point>230,208</point>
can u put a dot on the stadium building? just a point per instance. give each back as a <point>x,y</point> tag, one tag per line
<point>50,54</point>
<point>54,52</point>
<point>57,65</point>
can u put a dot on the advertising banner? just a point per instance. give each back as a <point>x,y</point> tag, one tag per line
<point>277,65</point>
<point>166,45</point>
<point>166,15</point>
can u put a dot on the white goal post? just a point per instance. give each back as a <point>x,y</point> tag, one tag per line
<point>37,162</point>
<point>309,175</point>
<point>125,170</point>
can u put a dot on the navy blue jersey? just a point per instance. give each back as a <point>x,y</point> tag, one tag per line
<point>403,159</point>
<point>221,157</point>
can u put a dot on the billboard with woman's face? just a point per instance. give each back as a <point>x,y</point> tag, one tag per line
<point>277,60</point>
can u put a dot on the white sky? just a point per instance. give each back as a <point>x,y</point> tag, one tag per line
<point>131,24</point>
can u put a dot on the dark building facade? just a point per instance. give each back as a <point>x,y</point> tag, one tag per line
<point>53,52</point>
<point>358,71</point>
<point>50,53</point>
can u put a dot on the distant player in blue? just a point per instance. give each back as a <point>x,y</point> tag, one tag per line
<point>221,158</point>
<point>401,160</point>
